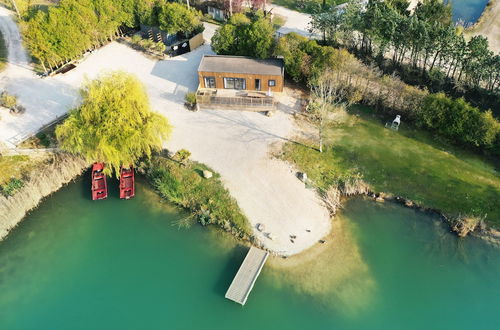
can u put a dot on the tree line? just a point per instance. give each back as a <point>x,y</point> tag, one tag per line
<point>67,30</point>
<point>349,79</point>
<point>426,41</point>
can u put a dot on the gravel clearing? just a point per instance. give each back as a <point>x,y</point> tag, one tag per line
<point>236,144</point>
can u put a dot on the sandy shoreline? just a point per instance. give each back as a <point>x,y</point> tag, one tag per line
<point>488,25</point>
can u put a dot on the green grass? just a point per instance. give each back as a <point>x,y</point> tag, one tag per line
<point>12,172</point>
<point>278,21</point>
<point>207,199</point>
<point>3,54</point>
<point>306,6</point>
<point>13,167</point>
<point>407,163</point>
<point>11,187</point>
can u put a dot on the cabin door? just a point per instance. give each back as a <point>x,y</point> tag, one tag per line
<point>257,84</point>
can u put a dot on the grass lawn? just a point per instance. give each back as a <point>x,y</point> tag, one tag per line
<point>407,163</point>
<point>3,54</point>
<point>306,6</point>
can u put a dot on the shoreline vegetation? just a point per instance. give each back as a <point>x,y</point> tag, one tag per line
<point>45,177</point>
<point>198,189</point>
<point>364,158</point>
<point>180,181</point>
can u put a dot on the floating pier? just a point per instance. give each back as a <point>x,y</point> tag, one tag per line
<point>245,278</point>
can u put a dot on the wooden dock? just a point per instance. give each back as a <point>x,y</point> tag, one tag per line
<point>245,278</point>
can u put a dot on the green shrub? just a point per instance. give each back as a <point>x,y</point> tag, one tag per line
<point>10,188</point>
<point>8,101</point>
<point>159,47</point>
<point>136,39</point>
<point>190,98</point>
<point>458,120</point>
<point>44,139</point>
<point>182,156</point>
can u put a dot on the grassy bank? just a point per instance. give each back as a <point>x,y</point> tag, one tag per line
<point>407,163</point>
<point>39,177</point>
<point>207,199</point>
<point>13,172</point>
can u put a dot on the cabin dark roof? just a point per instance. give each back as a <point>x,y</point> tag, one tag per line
<point>241,64</point>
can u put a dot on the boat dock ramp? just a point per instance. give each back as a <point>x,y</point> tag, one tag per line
<point>245,278</point>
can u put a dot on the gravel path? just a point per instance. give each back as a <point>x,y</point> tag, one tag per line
<point>295,21</point>
<point>234,143</point>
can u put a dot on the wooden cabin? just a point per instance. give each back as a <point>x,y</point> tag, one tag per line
<point>241,73</point>
<point>239,83</point>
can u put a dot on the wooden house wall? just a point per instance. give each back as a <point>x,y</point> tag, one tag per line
<point>250,80</point>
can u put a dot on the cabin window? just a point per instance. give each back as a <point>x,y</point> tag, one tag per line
<point>272,83</point>
<point>257,84</point>
<point>210,82</point>
<point>234,83</point>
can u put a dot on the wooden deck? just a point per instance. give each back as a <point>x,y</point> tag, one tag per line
<point>245,278</point>
<point>226,99</point>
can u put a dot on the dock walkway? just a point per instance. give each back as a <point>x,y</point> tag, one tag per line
<point>245,278</point>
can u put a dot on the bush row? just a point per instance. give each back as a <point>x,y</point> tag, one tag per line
<point>455,119</point>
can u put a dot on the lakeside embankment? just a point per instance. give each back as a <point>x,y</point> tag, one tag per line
<point>56,171</point>
<point>488,25</point>
<point>407,166</point>
<point>170,179</point>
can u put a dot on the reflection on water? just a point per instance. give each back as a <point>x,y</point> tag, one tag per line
<point>467,11</point>
<point>334,273</point>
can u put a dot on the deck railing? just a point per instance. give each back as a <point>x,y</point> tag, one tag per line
<point>237,102</point>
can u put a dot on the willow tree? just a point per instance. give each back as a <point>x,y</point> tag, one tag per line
<point>114,124</point>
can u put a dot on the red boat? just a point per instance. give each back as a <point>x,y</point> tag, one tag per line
<point>99,187</point>
<point>127,188</point>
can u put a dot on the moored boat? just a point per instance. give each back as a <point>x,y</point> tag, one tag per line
<point>127,182</point>
<point>99,186</point>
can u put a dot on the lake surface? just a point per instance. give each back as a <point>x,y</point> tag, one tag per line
<point>468,11</point>
<point>78,264</point>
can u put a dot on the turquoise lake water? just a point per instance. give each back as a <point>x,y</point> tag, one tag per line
<point>78,264</point>
<point>468,11</point>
